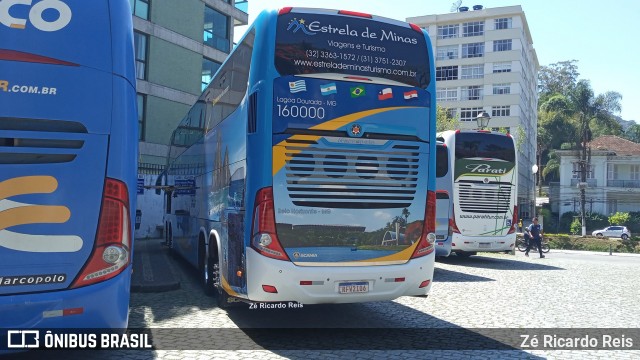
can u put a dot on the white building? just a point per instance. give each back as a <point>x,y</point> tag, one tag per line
<point>485,60</point>
<point>613,178</point>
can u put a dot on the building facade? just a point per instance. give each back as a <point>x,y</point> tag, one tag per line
<point>485,61</point>
<point>179,45</point>
<point>613,178</point>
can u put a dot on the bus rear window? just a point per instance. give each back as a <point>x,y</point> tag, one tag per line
<point>308,44</point>
<point>494,146</point>
<point>442,161</point>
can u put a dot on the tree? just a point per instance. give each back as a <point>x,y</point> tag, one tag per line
<point>552,168</point>
<point>619,218</point>
<point>633,133</point>
<point>557,78</point>
<point>445,120</point>
<point>585,108</point>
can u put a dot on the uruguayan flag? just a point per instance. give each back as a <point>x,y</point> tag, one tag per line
<point>297,86</point>
<point>328,89</point>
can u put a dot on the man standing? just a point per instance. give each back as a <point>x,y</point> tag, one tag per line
<point>535,234</point>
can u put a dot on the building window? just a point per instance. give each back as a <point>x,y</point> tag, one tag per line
<point>216,29</point>
<point>447,52</point>
<point>209,68</point>
<point>503,23</point>
<point>470,114</point>
<point>475,28</point>
<point>502,45</point>
<point>140,8</point>
<point>472,71</point>
<point>472,92</point>
<point>472,50</point>
<point>452,113</point>
<point>447,94</point>
<point>501,67</point>
<point>635,172</point>
<point>140,43</point>
<point>576,171</point>
<point>142,100</point>
<point>501,89</point>
<point>501,111</point>
<point>447,73</point>
<point>612,172</point>
<point>448,31</point>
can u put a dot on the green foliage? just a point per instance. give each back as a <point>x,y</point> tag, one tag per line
<point>557,78</point>
<point>594,221</point>
<point>589,243</point>
<point>550,221</point>
<point>576,227</point>
<point>632,133</point>
<point>552,168</point>
<point>444,121</point>
<point>634,222</point>
<point>619,218</point>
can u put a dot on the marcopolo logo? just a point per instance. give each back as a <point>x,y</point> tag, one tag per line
<point>41,14</point>
<point>32,279</point>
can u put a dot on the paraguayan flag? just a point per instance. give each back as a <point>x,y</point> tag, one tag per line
<point>297,86</point>
<point>328,89</point>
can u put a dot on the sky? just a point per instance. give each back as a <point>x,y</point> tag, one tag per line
<point>599,34</point>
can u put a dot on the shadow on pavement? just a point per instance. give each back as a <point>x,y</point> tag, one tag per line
<point>479,261</point>
<point>443,275</point>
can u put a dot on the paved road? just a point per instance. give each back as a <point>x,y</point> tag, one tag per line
<point>490,291</point>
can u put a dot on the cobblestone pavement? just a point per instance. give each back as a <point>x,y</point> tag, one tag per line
<point>568,290</point>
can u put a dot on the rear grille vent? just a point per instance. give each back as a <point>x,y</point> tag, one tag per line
<point>22,141</point>
<point>318,176</point>
<point>490,198</point>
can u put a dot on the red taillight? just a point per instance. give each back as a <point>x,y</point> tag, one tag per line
<point>355,13</point>
<point>110,255</point>
<point>270,289</point>
<point>514,220</point>
<point>285,10</point>
<point>428,237</point>
<point>12,55</point>
<point>263,230</point>
<point>452,223</point>
<point>424,284</point>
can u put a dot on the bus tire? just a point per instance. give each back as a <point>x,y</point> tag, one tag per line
<point>206,268</point>
<point>465,254</point>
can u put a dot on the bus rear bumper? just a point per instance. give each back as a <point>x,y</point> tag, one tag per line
<point>475,244</point>
<point>383,282</point>
<point>100,306</point>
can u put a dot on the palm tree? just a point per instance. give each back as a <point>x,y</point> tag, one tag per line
<point>586,109</point>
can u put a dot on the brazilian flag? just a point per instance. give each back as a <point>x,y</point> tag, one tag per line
<point>357,91</point>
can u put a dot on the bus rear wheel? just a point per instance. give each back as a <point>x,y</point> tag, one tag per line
<point>206,269</point>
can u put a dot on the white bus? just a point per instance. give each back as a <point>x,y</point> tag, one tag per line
<point>485,189</point>
<point>444,204</point>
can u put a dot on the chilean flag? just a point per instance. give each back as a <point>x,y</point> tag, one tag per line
<point>411,94</point>
<point>385,94</point>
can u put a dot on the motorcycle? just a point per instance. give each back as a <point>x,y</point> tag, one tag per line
<point>521,244</point>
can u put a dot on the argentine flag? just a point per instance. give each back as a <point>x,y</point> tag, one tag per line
<point>297,86</point>
<point>328,89</point>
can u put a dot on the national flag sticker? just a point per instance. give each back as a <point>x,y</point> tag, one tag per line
<point>328,89</point>
<point>297,86</point>
<point>413,94</point>
<point>357,91</point>
<point>385,94</point>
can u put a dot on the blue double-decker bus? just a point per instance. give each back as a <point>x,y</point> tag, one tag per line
<point>305,170</point>
<point>68,162</point>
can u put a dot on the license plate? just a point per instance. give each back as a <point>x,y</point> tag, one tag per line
<point>484,245</point>
<point>353,287</point>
